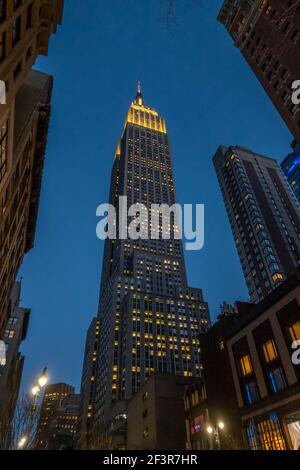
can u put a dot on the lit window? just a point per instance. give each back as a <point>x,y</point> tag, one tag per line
<point>246,365</point>
<point>294,331</point>
<point>270,351</point>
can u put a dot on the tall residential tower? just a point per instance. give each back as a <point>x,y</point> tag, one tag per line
<point>264,217</point>
<point>149,318</point>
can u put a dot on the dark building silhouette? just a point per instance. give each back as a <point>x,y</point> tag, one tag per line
<point>86,408</point>
<point>263,214</point>
<point>268,35</point>
<point>155,414</point>
<point>58,418</point>
<point>150,319</point>
<point>11,372</point>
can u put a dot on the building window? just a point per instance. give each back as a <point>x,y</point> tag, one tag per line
<point>2,10</point>
<point>17,70</point>
<point>9,334</point>
<point>277,380</point>
<point>17,3</point>
<point>270,351</point>
<point>13,321</point>
<point>29,17</point>
<point>252,394</point>
<point>16,31</point>
<point>2,46</point>
<point>246,365</point>
<point>294,331</point>
<point>3,151</point>
<point>270,434</point>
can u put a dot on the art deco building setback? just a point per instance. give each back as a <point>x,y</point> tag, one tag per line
<point>25,28</point>
<point>11,373</point>
<point>87,389</point>
<point>150,319</point>
<point>58,418</point>
<point>267,32</point>
<point>264,217</point>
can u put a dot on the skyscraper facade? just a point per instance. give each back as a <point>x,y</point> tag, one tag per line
<point>149,318</point>
<point>25,29</point>
<point>291,168</point>
<point>268,35</point>
<point>58,417</point>
<point>87,389</point>
<point>264,217</point>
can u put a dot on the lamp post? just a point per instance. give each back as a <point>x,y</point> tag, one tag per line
<point>214,431</point>
<point>40,382</point>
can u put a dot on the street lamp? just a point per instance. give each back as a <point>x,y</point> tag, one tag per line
<point>22,442</point>
<point>40,382</point>
<point>35,390</point>
<point>43,378</point>
<point>215,431</point>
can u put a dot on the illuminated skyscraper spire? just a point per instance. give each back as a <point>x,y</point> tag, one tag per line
<point>139,97</point>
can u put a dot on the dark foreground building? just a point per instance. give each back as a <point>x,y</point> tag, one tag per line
<point>251,371</point>
<point>11,372</point>
<point>263,214</point>
<point>155,414</point>
<point>150,319</point>
<point>266,369</point>
<point>268,35</point>
<point>58,418</point>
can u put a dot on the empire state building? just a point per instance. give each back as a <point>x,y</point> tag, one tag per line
<point>150,319</point>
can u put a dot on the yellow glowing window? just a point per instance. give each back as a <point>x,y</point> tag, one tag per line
<point>246,364</point>
<point>270,351</point>
<point>295,331</point>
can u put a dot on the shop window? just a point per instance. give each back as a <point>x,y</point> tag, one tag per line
<point>270,434</point>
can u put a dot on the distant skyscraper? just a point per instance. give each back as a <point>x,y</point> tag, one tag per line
<point>149,318</point>
<point>11,372</point>
<point>268,35</point>
<point>25,29</point>
<point>264,217</point>
<point>58,418</point>
<point>86,408</point>
<point>291,168</point>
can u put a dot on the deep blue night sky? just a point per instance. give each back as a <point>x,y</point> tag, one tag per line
<point>194,76</point>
